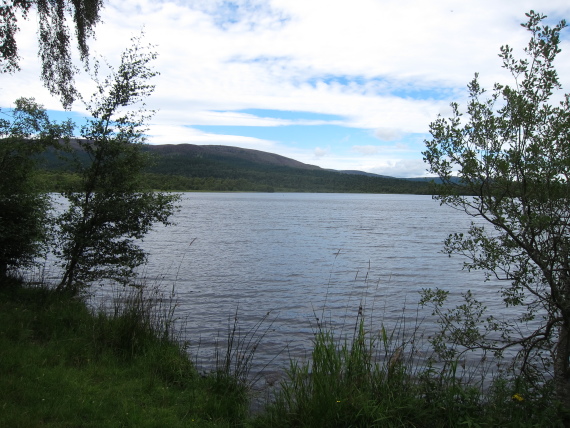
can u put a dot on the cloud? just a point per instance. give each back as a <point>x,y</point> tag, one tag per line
<point>171,134</point>
<point>398,148</point>
<point>366,150</point>
<point>219,118</point>
<point>320,152</point>
<point>218,58</point>
<point>406,168</point>
<point>387,134</point>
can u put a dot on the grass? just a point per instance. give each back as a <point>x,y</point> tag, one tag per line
<point>65,365</point>
<point>61,365</point>
<point>369,380</point>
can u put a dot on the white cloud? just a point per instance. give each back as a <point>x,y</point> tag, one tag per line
<point>165,134</point>
<point>387,134</point>
<point>366,150</point>
<point>319,152</point>
<point>407,168</point>
<point>388,67</point>
<point>391,149</point>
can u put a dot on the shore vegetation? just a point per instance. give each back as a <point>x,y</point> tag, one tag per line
<point>67,363</point>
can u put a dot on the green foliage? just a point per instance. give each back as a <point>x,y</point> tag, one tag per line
<point>510,149</point>
<point>187,173</point>
<point>110,208</point>
<point>24,220</point>
<point>223,173</point>
<point>54,39</point>
<point>59,368</point>
<point>376,380</point>
<point>173,169</point>
<point>138,319</point>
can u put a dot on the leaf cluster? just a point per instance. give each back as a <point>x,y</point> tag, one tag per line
<point>54,39</point>
<point>109,209</point>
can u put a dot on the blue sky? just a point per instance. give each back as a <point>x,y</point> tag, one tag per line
<point>342,85</point>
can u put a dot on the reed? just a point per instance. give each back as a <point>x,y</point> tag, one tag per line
<point>373,379</point>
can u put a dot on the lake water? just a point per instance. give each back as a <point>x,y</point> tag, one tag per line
<point>300,257</point>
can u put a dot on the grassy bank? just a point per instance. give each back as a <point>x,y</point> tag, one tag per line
<point>64,365</point>
<point>375,381</point>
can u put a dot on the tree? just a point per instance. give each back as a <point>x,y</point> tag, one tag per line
<point>24,210</point>
<point>511,150</point>
<point>112,209</point>
<point>54,39</point>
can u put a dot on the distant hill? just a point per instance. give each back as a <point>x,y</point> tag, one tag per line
<point>189,167</point>
<point>436,180</point>
<point>226,152</point>
<point>195,167</point>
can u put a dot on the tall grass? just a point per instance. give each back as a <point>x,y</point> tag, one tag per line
<point>134,318</point>
<point>372,379</point>
<point>235,359</point>
<point>63,364</point>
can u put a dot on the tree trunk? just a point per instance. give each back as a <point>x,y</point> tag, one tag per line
<point>68,282</point>
<point>561,369</point>
<point>3,270</point>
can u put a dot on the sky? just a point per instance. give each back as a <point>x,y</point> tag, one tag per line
<point>337,84</point>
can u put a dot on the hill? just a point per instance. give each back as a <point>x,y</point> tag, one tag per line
<point>189,167</point>
<point>235,154</point>
<point>194,167</point>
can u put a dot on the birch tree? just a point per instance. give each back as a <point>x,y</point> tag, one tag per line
<point>511,150</point>
<point>112,209</point>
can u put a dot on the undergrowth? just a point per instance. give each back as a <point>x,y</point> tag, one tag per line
<point>64,365</point>
<point>125,364</point>
<point>373,380</point>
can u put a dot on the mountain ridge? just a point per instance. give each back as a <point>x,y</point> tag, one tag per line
<point>230,168</point>
<point>192,167</point>
<point>252,155</point>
